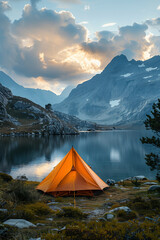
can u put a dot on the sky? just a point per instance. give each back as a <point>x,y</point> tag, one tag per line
<point>50,44</point>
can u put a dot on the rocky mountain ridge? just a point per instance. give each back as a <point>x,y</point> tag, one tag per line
<point>20,116</point>
<point>122,94</point>
<point>38,96</point>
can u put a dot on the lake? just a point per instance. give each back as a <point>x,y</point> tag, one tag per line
<point>111,154</point>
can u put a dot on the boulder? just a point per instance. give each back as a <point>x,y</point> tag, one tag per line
<point>139,178</point>
<point>3,210</point>
<point>35,238</point>
<point>109,216</point>
<point>22,178</point>
<point>150,183</point>
<point>154,188</point>
<point>20,223</point>
<point>110,182</point>
<point>124,208</point>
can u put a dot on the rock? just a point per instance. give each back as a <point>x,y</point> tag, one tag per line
<point>139,178</point>
<point>108,204</point>
<point>123,200</point>
<point>154,188</point>
<point>53,207</point>
<point>40,224</point>
<point>22,178</point>
<point>3,210</point>
<point>150,183</point>
<point>52,203</point>
<point>109,216</point>
<point>49,219</point>
<point>97,212</point>
<point>35,238</point>
<point>110,182</point>
<point>20,223</point>
<point>136,188</point>
<point>124,208</point>
<point>127,179</point>
<point>150,219</point>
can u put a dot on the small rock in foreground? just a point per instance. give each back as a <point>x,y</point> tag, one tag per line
<point>150,183</point>
<point>110,182</point>
<point>154,188</point>
<point>20,223</point>
<point>139,178</point>
<point>109,216</point>
<point>126,209</point>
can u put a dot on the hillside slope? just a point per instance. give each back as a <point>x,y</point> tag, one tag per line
<point>123,93</point>
<point>20,115</point>
<point>38,96</point>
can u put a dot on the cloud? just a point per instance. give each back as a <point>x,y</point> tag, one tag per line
<point>109,24</point>
<point>87,7</point>
<point>83,23</point>
<point>158,8</point>
<point>66,2</point>
<point>42,36</point>
<point>130,40</point>
<point>4,6</point>
<point>52,48</point>
<point>154,22</point>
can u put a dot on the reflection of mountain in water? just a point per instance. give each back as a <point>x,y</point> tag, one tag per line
<point>112,154</point>
<point>18,151</point>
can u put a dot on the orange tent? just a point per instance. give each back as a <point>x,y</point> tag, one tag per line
<point>72,176</point>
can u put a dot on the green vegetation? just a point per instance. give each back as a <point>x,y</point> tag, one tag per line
<point>22,201</point>
<point>108,231</point>
<point>153,123</point>
<point>71,212</point>
<point>32,211</point>
<point>18,191</point>
<point>5,177</point>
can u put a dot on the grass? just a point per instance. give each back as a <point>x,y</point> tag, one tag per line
<point>23,201</point>
<point>71,212</point>
<point>19,192</point>
<point>5,177</point>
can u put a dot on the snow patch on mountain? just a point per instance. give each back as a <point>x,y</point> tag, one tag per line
<point>126,75</point>
<point>151,69</point>
<point>147,77</point>
<point>114,103</point>
<point>142,65</point>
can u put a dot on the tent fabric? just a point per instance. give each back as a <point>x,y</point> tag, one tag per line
<point>72,175</point>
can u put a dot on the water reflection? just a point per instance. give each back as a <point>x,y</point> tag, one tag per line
<point>115,155</point>
<point>112,154</point>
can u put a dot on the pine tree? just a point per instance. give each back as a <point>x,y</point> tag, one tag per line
<point>153,123</point>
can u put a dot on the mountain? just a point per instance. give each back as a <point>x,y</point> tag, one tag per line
<point>23,117</point>
<point>80,125</point>
<point>122,94</point>
<point>38,96</point>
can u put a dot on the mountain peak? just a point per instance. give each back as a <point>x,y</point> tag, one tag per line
<point>116,63</point>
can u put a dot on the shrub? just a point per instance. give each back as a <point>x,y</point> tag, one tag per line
<point>136,182</point>
<point>40,208</point>
<point>125,216</point>
<point>5,177</point>
<point>71,212</point>
<point>20,192</point>
<point>108,231</point>
<point>30,211</point>
<point>25,213</point>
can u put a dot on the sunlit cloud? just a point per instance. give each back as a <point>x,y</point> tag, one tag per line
<point>158,8</point>
<point>109,24</point>
<point>51,49</point>
<point>83,23</point>
<point>87,7</point>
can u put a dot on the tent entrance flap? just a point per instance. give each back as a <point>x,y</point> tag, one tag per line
<point>71,175</point>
